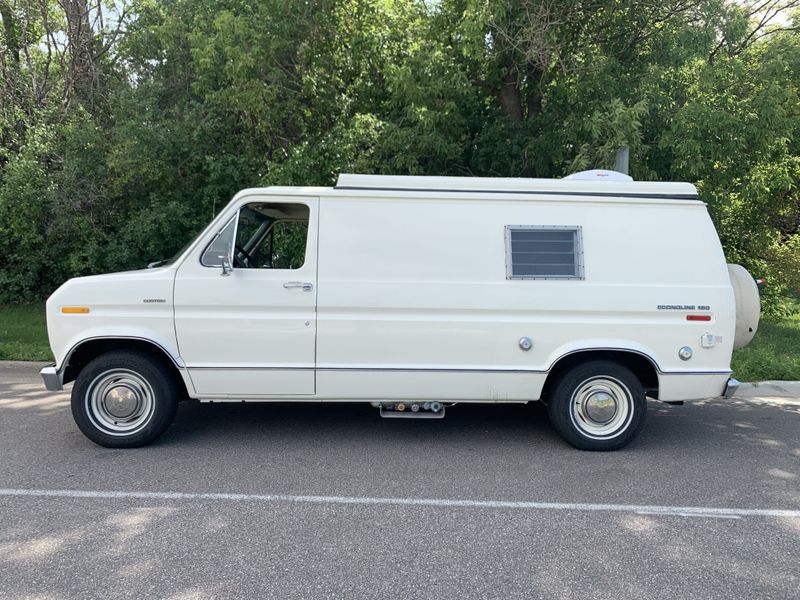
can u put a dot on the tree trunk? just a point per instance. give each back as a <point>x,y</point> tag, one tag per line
<point>83,76</point>
<point>509,97</point>
<point>10,30</point>
<point>533,94</point>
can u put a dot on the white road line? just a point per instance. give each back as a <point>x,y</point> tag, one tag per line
<point>682,511</point>
<point>703,515</point>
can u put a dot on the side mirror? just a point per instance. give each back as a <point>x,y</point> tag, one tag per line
<point>227,267</point>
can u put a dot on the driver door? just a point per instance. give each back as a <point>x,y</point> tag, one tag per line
<point>250,331</point>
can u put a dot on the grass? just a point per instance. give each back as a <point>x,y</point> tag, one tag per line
<point>23,332</point>
<point>773,354</point>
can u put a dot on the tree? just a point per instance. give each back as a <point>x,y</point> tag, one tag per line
<point>125,125</point>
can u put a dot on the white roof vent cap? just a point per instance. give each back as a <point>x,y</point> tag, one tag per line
<point>599,175</point>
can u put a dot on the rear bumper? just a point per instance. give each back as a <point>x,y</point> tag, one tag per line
<point>692,386</point>
<point>52,378</point>
<point>730,388</point>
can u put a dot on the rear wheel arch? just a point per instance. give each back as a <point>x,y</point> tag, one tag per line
<point>638,363</point>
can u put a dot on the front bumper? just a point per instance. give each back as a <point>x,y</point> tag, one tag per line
<point>730,388</point>
<point>52,378</point>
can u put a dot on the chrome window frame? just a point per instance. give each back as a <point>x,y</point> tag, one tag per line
<point>235,218</point>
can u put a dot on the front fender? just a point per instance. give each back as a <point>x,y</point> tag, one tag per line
<point>133,305</point>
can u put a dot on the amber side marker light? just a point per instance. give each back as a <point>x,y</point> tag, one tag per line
<point>698,317</point>
<point>74,310</point>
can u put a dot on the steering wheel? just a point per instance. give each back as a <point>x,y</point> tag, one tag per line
<point>246,259</point>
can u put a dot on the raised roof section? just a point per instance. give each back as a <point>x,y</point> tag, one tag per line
<point>510,185</point>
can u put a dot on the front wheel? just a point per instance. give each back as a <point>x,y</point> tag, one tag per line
<point>598,405</point>
<point>124,399</point>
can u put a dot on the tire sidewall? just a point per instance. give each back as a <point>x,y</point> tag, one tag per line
<point>160,380</point>
<point>560,409</point>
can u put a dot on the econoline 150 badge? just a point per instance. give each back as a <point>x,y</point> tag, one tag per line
<point>683,307</point>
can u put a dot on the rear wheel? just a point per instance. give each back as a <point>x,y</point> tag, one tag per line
<point>598,405</point>
<point>124,399</point>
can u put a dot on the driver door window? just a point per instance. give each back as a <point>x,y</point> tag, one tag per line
<point>267,236</point>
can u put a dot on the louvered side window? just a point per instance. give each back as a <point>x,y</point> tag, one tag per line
<point>543,252</point>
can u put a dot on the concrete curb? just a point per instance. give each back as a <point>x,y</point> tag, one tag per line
<point>22,364</point>
<point>769,389</point>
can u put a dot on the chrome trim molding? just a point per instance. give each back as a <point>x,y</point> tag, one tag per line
<point>642,354</point>
<point>52,379</point>
<point>423,370</point>
<point>695,372</point>
<point>606,349</point>
<point>430,370</point>
<point>120,337</point>
<point>237,368</point>
<point>368,369</point>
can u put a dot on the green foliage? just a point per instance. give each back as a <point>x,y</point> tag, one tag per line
<point>735,137</point>
<point>348,147</point>
<point>200,98</point>
<point>24,203</point>
<point>616,126</point>
<point>773,352</point>
<point>23,332</point>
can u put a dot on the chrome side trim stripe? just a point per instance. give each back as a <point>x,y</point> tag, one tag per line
<point>364,369</point>
<point>430,370</point>
<point>417,370</point>
<point>237,368</point>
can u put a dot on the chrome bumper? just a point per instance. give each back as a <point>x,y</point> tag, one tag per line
<point>730,388</point>
<point>52,378</point>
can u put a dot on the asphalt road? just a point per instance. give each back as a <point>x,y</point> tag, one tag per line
<point>312,501</point>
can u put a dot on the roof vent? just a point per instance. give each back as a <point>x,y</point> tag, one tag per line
<point>599,175</point>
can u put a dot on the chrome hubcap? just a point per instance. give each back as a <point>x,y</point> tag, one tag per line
<point>601,407</point>
<point>120,402</point>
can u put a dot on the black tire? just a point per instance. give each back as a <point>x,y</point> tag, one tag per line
<point>114,382</point>
<point>586,394</point>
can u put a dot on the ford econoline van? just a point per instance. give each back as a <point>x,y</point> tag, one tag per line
<point>590,293</point>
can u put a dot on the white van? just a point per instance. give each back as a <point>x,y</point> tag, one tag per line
<point>416,293</point>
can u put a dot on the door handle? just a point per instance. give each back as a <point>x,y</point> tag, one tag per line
<point>306,286</point>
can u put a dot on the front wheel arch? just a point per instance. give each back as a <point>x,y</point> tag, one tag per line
<point>86,351</point>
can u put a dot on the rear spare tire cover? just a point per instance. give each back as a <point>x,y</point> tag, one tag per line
<point>748,305</point>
